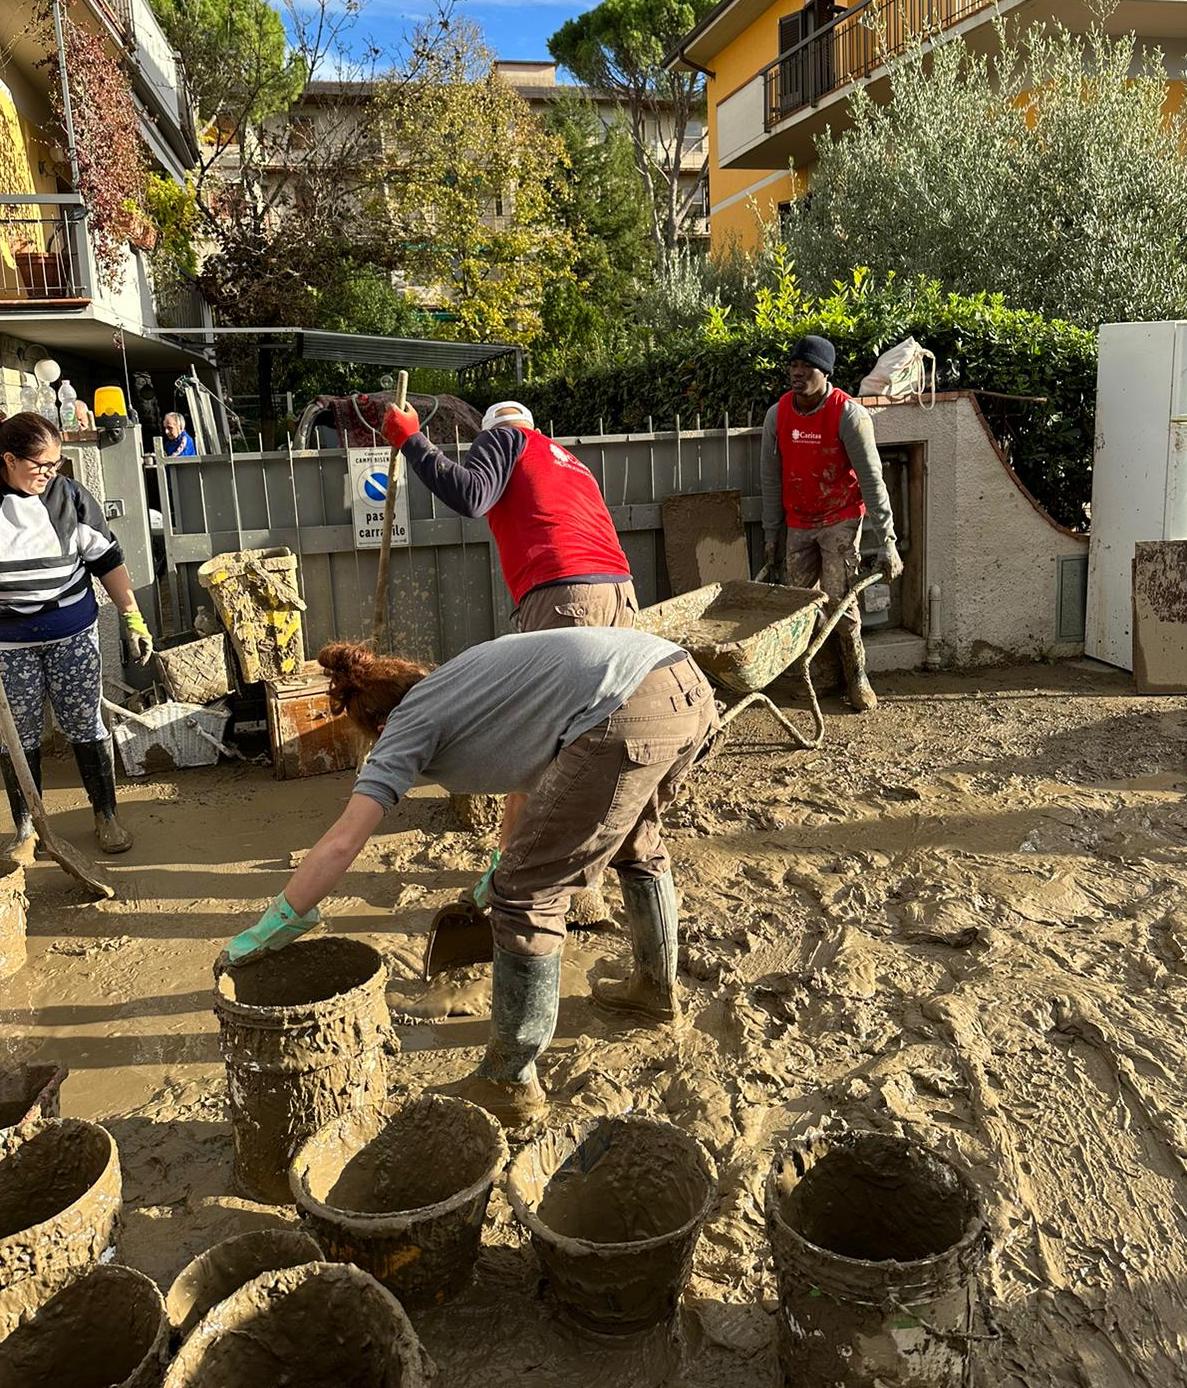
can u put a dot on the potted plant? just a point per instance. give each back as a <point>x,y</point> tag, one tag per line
<point>42,272</point>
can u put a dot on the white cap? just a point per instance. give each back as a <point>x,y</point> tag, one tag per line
<point>508,412</point>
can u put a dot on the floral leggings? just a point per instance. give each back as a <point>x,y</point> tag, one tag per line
<point>69,672</point>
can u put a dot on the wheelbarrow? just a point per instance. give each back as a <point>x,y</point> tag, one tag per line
<point>745,634</point>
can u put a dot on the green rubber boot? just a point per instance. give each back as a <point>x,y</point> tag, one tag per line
<point>525,998</point>
<point>650,991</point>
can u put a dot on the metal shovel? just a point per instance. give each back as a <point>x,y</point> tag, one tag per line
<point>67,857</point>
<point>460,934</point>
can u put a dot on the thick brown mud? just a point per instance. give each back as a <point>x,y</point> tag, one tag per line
<point>962,918</point>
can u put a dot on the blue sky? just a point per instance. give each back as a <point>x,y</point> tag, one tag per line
<point>520,28</point>
<point>512,28</point>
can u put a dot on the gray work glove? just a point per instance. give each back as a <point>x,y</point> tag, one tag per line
<point>890,562</point>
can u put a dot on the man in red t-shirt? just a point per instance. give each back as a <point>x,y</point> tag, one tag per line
<point>560,554</point>
<point>821,474</point>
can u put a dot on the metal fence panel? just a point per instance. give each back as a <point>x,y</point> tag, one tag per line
<point>447,591</point>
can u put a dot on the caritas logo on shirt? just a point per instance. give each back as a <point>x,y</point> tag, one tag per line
<point>807,436</point>
<point>565,459</point>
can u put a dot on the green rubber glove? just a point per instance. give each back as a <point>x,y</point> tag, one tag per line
<point>278,926</point>
<point>482,887</point>
<point>138,635</point>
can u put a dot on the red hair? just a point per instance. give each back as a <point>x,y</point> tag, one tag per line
<point>365,686</point>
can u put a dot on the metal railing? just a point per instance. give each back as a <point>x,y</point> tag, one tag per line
<point>851,47</point>
<point>42,247</point>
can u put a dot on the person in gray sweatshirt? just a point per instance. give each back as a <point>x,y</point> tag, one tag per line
<point>821,475</point>
<point>597,727</point>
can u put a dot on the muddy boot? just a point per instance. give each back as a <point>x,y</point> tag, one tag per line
<point>525,997</point>
<point>650,991</point>
<point>853,661</point>
<point>97,769</point>
<point>20,849</point>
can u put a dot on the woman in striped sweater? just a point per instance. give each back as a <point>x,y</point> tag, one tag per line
<point>54,541</point>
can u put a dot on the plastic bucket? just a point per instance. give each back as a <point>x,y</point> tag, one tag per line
<point>877,1245</point>
<point>60,1203</point>
<point>403,1195</point>
<point>212,1276</point>
<point>302,1032</point>
<point>255,594</point>
<point>614,1208</point>
<point>322,1325</point>
<point>107,1330</point>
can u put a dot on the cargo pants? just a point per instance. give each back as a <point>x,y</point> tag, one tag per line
<point>598,805</point>
<point>577,605</point>
<point>827,558</point>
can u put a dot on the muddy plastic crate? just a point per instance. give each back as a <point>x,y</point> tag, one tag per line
<point>186,733</point>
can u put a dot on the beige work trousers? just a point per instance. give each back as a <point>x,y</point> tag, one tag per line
<point>599,804</point>
<point>827,558</point>
<point>577,605</point>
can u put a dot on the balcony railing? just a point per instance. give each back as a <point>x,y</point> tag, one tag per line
<point>42,249</point>
<point>851,47</point>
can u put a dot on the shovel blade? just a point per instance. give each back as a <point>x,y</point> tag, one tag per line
<point>460,935</point>
<point>76,863</point>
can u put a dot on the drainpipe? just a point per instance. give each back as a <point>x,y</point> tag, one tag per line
<point>67,107</point>
<point>682,57</point>
<point>78,243</point>
<point>934,643</point>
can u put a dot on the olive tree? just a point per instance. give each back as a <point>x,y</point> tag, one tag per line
<point>1052,171</point>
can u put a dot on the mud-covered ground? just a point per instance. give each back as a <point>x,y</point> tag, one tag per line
<point>964,917</point>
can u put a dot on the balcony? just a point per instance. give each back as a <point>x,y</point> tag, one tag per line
<point>776,116</point>
<point>44,261</point>
<point>778,113</point>
<point>851,47</point>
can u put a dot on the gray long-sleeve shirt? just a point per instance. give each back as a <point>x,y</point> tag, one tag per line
<point>491,719</point>
<point>857,439</point>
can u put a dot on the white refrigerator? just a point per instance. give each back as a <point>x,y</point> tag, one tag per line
<point>1139,475</point>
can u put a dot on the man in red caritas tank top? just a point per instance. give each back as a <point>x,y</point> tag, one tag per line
<point>821,474</point>
<point>559,551</point>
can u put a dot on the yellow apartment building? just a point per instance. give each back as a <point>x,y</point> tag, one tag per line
<point>778,72</point>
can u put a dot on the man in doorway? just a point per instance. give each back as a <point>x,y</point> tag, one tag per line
<point>821,474</point>
<point>178,443</point>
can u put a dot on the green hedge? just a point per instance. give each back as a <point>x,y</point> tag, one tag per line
<point>979,344</point>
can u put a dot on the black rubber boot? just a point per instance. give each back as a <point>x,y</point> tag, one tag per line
<point>97,768</point>
<point>651,916</point>
<point>525,998</point>
<point>23,844</point>
<point>853,661</point>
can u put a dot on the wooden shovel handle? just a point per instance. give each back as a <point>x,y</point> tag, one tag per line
<point>380,634</point>
<point>20,763</point>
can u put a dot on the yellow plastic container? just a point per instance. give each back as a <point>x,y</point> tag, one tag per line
<point>255,594</point>
<point>110,400</point>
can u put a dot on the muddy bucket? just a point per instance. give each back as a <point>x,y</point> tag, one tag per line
<point>60,1199</point>
<point>877,1245</point>
<point>107,1330</point>
<point>302,1032</point>
<point>615,1208</point>
<point>403,1195</point>
<point>212,1276</point>
<point>322,1325</point>
<point>30,1093</point>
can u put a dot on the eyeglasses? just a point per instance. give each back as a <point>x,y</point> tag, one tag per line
<point>43,467</point>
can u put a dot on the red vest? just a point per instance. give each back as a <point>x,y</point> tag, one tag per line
<point>551,522</point>
<point>819,485</point>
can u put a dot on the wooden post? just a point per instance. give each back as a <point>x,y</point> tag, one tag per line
<point>381,636</point>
